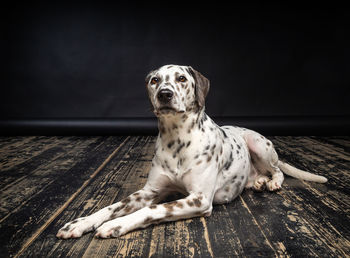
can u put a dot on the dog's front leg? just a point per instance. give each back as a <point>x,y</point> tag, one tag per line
<point>133,202</point>
<point>194,205</point>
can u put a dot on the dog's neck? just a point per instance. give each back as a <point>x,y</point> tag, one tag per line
<point>176,126</point>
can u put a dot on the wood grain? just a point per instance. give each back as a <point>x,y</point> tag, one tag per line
<point>47,181</point>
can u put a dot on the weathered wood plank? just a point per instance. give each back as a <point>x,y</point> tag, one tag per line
<point>14,142</point>
<point>321,146</point>
<point>318,212</point>
<point>34,178</point>
<point>185,238</point>
<point>19,226</point>
<point>20,154</point>
<point>319,221</point>
<point>234,232</point>
<point>111,184</point>
<point>317,159</point>
<point>327,163</point>
<point>342,143</point>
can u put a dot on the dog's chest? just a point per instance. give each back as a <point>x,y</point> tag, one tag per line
<point>175,155</point>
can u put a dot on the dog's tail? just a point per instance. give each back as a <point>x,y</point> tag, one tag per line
<point>300,174</point>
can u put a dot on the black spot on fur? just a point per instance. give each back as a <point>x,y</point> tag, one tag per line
<point>126,200</point>
<point>170,144</point>
<point>191,126</point>
<point>190,203</point>
<point>166,164</point>
<point>128,208</point>
<point>66,228</point>
<point>229,162</point>
<point>197,202</point>
<point>117,230</point>
<point>119,208</point>
<point>223,132</point>
<point>178,149</point>
<point>180,162</point>
<point>213,149</point>
<point>148,220</point>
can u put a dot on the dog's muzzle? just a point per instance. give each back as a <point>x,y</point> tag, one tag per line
<point>166,101</point>
<point>165,96</point>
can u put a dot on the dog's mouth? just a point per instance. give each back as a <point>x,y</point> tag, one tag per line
<point>165,110</point>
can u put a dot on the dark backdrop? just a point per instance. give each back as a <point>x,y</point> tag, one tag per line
<point>88,60</point>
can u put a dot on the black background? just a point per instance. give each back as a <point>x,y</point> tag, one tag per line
<point>89,60</point>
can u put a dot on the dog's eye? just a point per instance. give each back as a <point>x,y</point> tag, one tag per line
<point>182,79</point>
<point>154,80</point>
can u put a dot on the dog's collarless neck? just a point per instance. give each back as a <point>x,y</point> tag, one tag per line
<point>180,125</point>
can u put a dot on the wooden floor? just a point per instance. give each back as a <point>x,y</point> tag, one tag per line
<point>47,181</point>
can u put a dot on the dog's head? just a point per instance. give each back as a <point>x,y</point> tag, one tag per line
<point>175,89</point>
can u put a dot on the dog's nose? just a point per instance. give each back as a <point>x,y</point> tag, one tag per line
<point>164,96</point>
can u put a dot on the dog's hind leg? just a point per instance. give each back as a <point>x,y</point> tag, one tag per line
<point>265,159</point>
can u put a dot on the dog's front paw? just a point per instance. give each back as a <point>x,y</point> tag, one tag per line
<point>110,229</point>
<point>74,229</point>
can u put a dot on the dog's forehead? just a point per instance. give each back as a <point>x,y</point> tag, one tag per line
<point>174,70</point>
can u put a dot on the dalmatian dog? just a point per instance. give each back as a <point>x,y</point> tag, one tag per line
<point>207,163</point>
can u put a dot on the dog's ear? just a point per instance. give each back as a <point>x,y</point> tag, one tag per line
<point>202,85</point>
